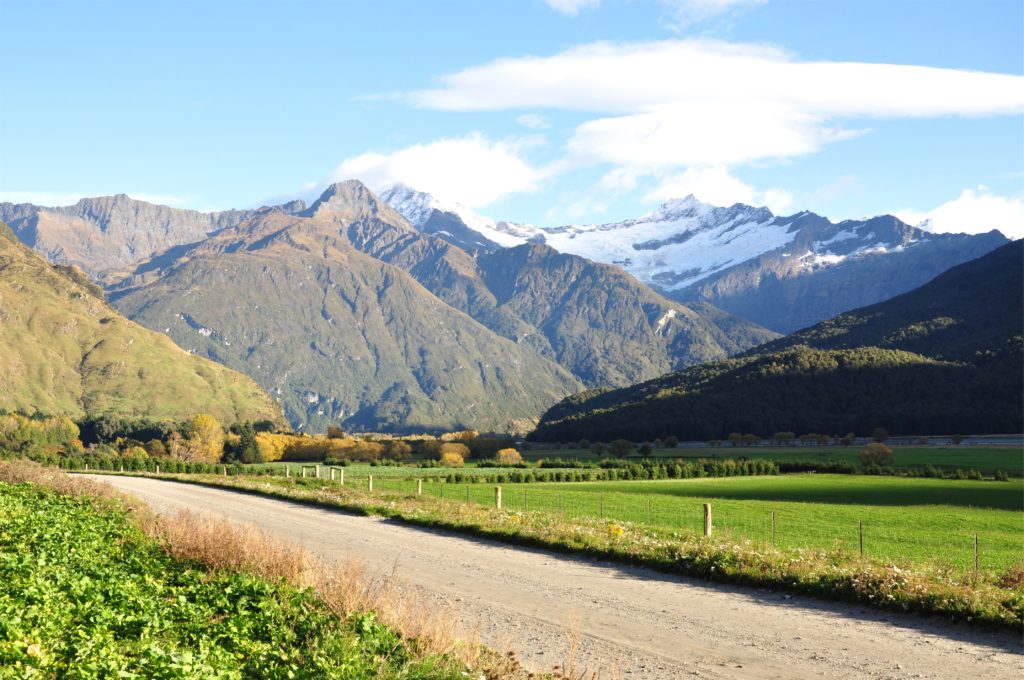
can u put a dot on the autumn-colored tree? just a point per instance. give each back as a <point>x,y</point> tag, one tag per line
<point>397,449</point>
<point>452,459</point>
<point>460,450</point>
<point>206,438</point>
<point>876,454</point>
<point>509,457</point>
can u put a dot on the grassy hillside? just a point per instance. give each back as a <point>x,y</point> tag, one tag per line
<point>968,322</point>
<point>66,351</point>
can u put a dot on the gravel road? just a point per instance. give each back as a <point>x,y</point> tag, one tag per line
<point>632,622</point>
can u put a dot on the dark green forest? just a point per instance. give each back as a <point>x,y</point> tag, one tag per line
<point>943,359</point>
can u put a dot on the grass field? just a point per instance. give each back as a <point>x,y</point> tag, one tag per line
<point>985,459</point>
<point>912,519</point>
<point>919,558</point>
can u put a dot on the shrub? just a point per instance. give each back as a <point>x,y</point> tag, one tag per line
<point>876,454</point>
<point>621,447</point>
<point>397,449</point>
<point>671,442</point>
<point>451,459</point>
<point>461,450</point>
<point>880,434</point>
<point>646,449</point>
<point>509,457</point>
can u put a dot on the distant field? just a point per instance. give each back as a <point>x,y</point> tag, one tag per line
<point>983,459</point>
<point>362,470</point>
<point>921,520</point>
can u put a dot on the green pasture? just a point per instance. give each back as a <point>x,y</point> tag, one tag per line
<point>930,521</point>
<point>985,459</point>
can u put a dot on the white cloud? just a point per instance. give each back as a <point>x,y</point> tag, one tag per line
<point>687,112</point>
<point>716,186</point>
<point>470,170</point>
<point>685,13</point>
<point>533,121</point>
<point>571,7</point>
<point>634,77</point>
<point>703,133</point>
<point>975,211</point>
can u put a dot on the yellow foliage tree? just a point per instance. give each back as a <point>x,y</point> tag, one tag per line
<point>509,457</point>
<point>206,438</point>
<point>460,450</point>
<point>451,459</point>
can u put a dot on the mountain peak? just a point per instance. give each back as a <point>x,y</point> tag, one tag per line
<point>348,200</point>
<point>349,192</point>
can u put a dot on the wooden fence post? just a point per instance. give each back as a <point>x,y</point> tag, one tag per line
<point>419,487</point>
<point>497,497</point>
<point>332,474</point>
<point>287,470</point>
<point>86,467</point>
<point>158,468</point>
<point>369,483</point>
<point>976,561</point>
<point>341,476</point>
<point>318,471</point>
<point>122,468</point>
<point>225,470</point>
<point>707,519</point>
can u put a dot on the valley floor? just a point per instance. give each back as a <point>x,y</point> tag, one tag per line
<point>636,621</point>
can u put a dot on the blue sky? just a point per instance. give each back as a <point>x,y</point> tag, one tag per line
<point>543,111</point>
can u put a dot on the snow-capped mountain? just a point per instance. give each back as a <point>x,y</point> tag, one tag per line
<point>456,223</point>
<point>784,272</point>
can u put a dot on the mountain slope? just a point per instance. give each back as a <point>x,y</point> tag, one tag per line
<point>105,234</point>
<point>339,336</point>
<point>971,308</point>
<point>602,324</point>
<point>965,373</point>
<point>782,272</point>
<point>67,352</point>
<point>595,320</point>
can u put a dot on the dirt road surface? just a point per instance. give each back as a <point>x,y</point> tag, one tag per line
<point>632,622</point>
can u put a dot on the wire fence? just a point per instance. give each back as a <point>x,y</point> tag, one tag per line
<point>849,531</point>
<point>962,539</point>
